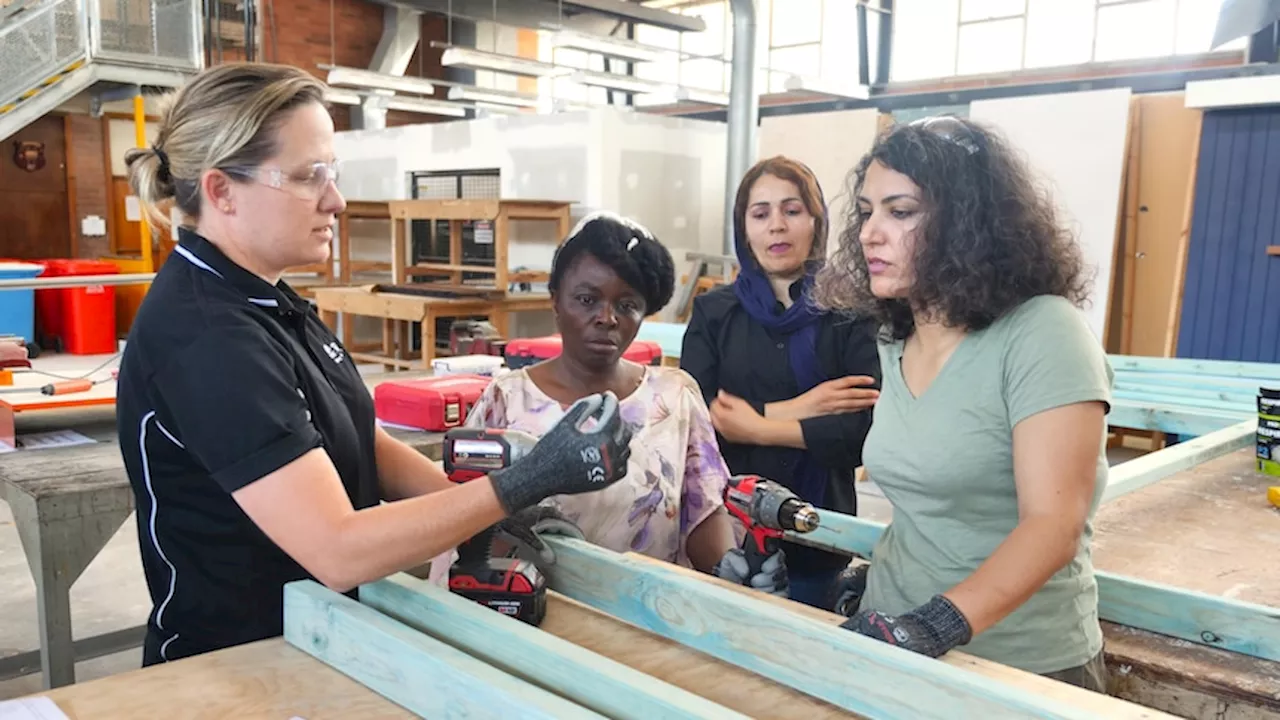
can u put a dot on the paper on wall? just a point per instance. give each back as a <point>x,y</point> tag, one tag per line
<point>132,208</point>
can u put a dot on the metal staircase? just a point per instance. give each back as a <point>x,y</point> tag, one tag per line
<point>52,50</point>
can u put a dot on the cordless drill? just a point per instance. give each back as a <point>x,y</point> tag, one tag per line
<point>766,509</point>
<point>511,586</point>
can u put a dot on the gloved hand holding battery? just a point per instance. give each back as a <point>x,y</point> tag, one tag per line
<point>772,577</point>
<point>526,528</point>
<point>569,460</point>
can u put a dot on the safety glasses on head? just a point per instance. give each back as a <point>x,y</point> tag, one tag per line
<point>951,129</point>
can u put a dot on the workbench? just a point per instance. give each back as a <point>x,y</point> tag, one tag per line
<point>394,307</point>
<point>1210,529</point>
<point>266,680</point>
<point>67,503</point>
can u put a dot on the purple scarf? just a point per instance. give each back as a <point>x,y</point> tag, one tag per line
<point>800,323</point>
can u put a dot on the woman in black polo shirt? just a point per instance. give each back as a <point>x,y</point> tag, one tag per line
<point>247,432</point>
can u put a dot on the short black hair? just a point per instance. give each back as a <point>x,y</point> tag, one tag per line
<point>628,248</point>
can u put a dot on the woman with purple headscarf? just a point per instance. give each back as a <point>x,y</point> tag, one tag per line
<point>789,387</point>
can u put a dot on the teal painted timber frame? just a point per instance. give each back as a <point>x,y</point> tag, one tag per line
<point>591,680</point>
<point>1209,620</point>
<point>862,675</point>
<point>420,673</point>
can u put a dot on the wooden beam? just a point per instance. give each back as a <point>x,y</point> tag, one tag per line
<point>1209,620</point>
<point>593,681</point>
<point>854,672</point>
<point>1172,419</point>
<point>422,674</point>
<point>1150,468</point>
<point>1100,704</point>
<point>663,658</point>
<point>1193,366</point>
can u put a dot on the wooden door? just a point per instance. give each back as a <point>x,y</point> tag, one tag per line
<point>34,211</point>
<point>1168,142</point>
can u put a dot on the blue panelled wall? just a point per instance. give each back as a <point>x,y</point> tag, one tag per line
<point>1231,301</point>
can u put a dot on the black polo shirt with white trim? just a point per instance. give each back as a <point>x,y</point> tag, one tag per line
<point>226,378</point>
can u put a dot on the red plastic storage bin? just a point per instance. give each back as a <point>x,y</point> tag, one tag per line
<point>78,320</point>
<point>523,352</point>
<point>434,404</point>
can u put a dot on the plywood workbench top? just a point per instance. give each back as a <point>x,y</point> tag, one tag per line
<point>267,680</point>
<point>1211,529</point>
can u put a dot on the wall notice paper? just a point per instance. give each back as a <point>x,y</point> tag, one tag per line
<point>40,708</point>
<point>132,209</point>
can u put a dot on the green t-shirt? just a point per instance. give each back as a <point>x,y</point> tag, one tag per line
<point>945,462</point>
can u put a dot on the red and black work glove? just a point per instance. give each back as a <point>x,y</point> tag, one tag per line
<point>931,629</point>
<point>569,460</point>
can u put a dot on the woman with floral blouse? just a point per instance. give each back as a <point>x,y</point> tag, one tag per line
<point>606,277</point>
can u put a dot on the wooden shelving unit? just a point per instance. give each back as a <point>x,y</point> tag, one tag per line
<point>499,212</point>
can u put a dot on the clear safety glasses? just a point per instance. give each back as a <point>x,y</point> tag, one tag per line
<point>307,183</point>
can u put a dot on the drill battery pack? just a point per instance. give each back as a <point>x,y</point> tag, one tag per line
<point>510,586</point>
<point>434,404</point>
<point>523,352</point>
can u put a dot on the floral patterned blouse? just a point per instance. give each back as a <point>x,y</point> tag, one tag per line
<point>675,478</point>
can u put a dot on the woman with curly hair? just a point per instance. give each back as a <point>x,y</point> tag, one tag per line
<point>989,436</point>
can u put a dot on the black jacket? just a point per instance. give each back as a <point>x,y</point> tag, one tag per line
<point>724,348</point>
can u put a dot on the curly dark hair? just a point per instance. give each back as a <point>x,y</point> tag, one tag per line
<point>628,248</point>
<point>990,240</point>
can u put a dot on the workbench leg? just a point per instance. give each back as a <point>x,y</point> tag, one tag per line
<point>501,322</point>
<point>389,343</point>
<point>60,537</point>
<point>428,339</point>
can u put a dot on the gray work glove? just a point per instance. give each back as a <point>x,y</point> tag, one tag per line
<point>772,577</point>
<point>526,527</point>
<point>569,460</point>
<point>931,629</point>
<point>848,588</point>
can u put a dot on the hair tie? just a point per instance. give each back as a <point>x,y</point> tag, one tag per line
<point>164,162</point>
<point>632,243</point>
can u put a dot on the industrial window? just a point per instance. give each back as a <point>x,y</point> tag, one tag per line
<point>943,38</point>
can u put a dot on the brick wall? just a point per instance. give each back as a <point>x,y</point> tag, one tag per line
<point>87,186</point>
<point>308,33</point>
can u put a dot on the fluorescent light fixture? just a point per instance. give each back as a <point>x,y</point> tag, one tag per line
<point>605,45</point>
<point>492,97</point>
<point>497,62</point>
<point>354,77</point>
<point>797,83</point>
<point>622,83</point>
<point>341,97</point>
<point>426,107</point>
<point>698,95</point>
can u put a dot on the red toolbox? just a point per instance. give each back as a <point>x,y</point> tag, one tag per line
<point>434,404</point>
<point>528,351</point>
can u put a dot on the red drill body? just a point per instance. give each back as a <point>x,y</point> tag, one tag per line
<point>509,585</point>
<point>767,510</point>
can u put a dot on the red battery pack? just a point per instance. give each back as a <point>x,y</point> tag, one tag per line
<point>523,352</point>
<point>434,404</point>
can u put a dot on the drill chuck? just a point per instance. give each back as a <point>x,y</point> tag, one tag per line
<point>805,519</point>
<point>797,516</point>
